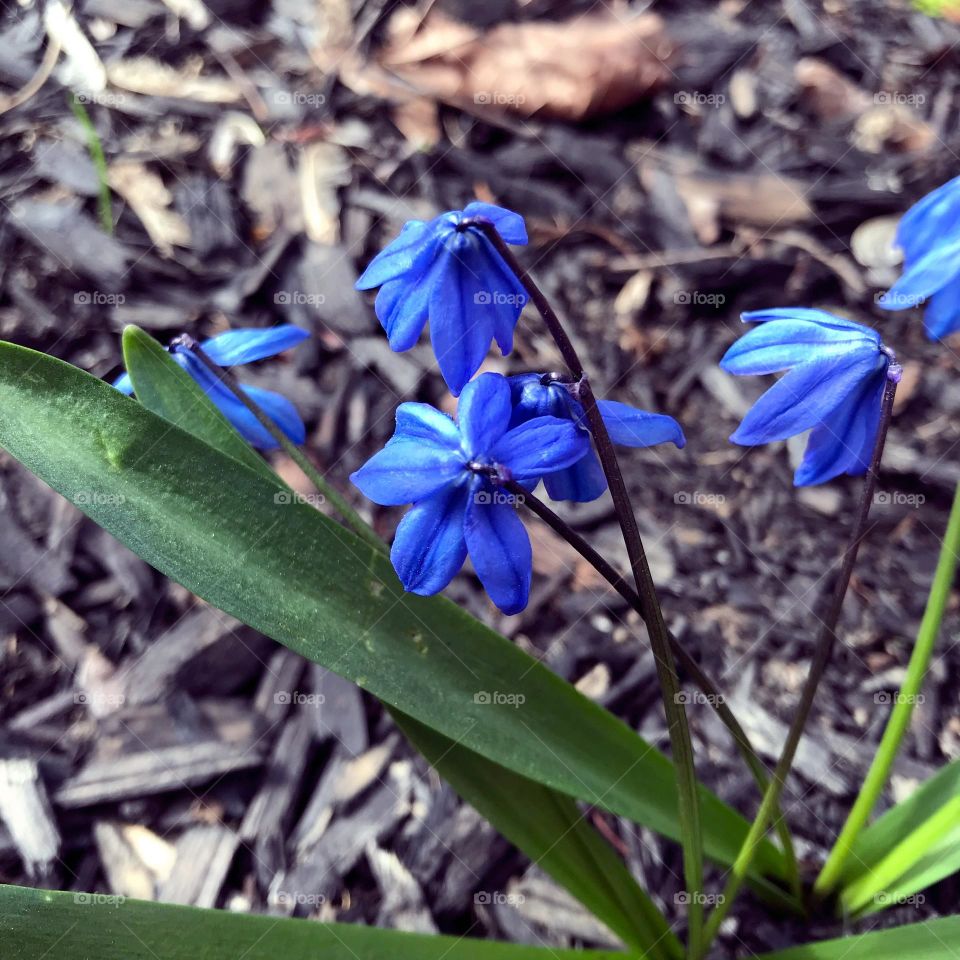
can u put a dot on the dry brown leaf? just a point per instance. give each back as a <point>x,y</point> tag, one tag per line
<point>153,78</point>
<point>150,201</point>
<point>893,126</point>
<point>589,65</point>
<point>828,93</point>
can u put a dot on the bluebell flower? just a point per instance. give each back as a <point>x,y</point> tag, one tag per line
<point>538,395</point>
<point>929,235</point>
<point>837,371</point>
<point>453,277</point>
<point>231,349</point>
<point>450,472</point>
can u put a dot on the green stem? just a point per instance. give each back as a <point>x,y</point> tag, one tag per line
<point>688,799</point>
<point>95,147</point>
<point>899,719</point>
<point>353,519</point>
<point>826,640</point>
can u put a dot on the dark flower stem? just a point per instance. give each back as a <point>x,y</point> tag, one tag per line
<point>826,641</point>
<point>688,806</point>
<point>352,518</point>
<point>685,661</point>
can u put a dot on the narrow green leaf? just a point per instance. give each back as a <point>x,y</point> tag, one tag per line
<point>548,827</point>
<point>87,926</point>
<point>839,863</point>
<point>164,387</point>
<point>219,528</point>
<point>930,940</point>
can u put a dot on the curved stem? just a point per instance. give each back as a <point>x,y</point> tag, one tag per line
<point>685,661</point>
<point>353,519</point>
<point>899,720</point>
<point>826,641</point>
<point>688,805</point>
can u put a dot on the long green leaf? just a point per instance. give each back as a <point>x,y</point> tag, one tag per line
<point>220,529</point>
<point>549,829</point>
<point>930,940</point>
<point>838,865</point>
<point>81,926</point>
<point>543,823</point>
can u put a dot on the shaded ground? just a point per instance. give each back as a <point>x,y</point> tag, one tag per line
<point>171,752</point>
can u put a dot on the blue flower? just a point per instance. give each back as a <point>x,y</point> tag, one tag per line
<point>929,235</point>
<point>230,349</point>
<point>538,395</point>
<point>837,370</point>
<point>453,277</point>
<point>450,472</point>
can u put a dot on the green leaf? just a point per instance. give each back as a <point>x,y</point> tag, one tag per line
<point>227,533</point>
<point>164,387</point>
<point>839,865</point>
<point>548,827</point>
<point>83,926</point>
<point>543,823</point>
<point>930,940</point>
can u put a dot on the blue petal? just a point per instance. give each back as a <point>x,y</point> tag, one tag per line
<point>941,316</point>
<point>418,461</point>
<point>244,346</point>
<point>280,410</point>
<point>581,483</point>
<point>533,398</point>
<point>500,550</point>
<point>930,221</point>
<point>509,225</point>
<point>124,384</point>
<point>781,344</point>
<point>926,276</point>
<point>483,413</point>
<point>844,443</point>
<point>506,296</point>
<point>540,446</point>
<point>413,248</point>
<point>806,396</point>
<point>819,317</point>
<point>429,547</point>
<point>636,428</point>
<point>460,328</point>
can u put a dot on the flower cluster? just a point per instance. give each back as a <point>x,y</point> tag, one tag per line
<point>231,349</point>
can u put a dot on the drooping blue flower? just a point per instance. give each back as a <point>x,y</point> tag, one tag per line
<point>929,235</point>
<point>450,472</point>
<point>230,349</point>
<point>538,395</point>
<point>837,371</point>
<point>452,276</point>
